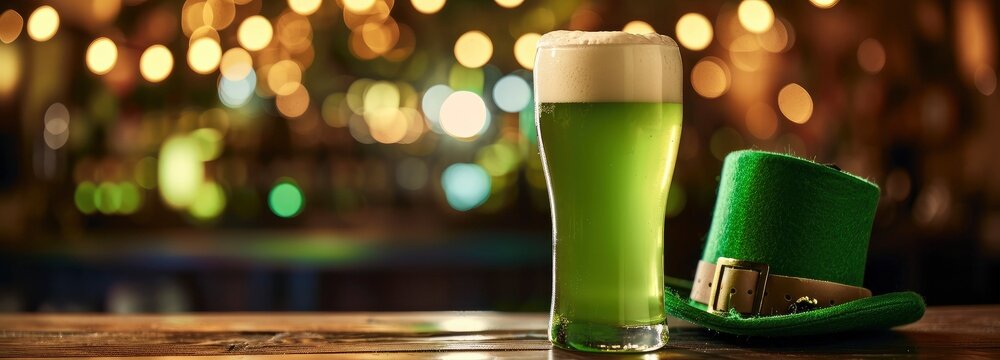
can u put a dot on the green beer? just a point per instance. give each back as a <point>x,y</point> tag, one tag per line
<point>609,141</point>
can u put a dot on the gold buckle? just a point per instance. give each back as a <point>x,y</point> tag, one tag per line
<point>721,306</point>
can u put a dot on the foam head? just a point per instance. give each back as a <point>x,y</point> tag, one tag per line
<point>607,66</point>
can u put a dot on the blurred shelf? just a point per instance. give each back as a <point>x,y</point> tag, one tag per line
<point>290,249</point>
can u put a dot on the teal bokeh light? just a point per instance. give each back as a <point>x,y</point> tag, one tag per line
<point>466,186</point>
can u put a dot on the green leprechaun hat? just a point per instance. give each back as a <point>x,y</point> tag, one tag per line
<point>786,253</point>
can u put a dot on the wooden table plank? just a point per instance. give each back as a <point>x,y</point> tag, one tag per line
<point>944,332</point>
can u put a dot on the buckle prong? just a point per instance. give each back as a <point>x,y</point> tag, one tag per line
<point>717,305</point>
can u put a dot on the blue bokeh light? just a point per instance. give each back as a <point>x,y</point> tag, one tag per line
<point>466,186</point>
<point>512,93</point>
<point>236,93</point>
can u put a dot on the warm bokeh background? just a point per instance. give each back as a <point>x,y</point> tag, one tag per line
<point>380,155</point>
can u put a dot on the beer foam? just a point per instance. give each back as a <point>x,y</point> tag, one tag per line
<point>608,66</point>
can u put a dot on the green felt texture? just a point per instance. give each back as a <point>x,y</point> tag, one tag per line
<point>878,312</point>
<point>801,218</point>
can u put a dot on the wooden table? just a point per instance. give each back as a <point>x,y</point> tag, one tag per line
<point>943,332</point>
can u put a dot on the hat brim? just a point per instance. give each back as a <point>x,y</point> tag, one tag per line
<point>877,312</point>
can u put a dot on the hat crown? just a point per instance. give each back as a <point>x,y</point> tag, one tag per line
<point>801,218</point>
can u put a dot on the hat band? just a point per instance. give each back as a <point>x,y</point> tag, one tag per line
<point>751,289</point>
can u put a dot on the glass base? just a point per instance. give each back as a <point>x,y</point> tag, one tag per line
<point>581,336</point>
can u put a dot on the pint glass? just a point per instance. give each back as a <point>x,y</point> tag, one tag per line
<point>609,120</point>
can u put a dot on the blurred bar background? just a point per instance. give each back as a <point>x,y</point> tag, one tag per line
<point>229,155</point>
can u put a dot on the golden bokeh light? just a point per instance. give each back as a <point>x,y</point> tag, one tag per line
<point>10,26</point>
<point>284,77</point>
<point>795,103</point>
<point>255,33</point>
<point>824,4</point>
<point>43,23</point>
<point>524,50</point>
<point>294,104</point>
<point>710,77</point>
<point>745,53</point>
<point>755,16</point>
<point>986,80</point>
<point>294,32</point>
<point>694,31</point>
<point>156,63</point>
<point>473,49</point>
<point>359,6</point>
<point>871,56</point>
<point>218,14</point>
<point>428,6</point>
<point>510,4</point>
<point>10,69</point>
<point>236,64</point>
<point>638,27</point>
<point>761,120</point>
<point>102,54</point>
<point>204,55</point>
<point>779,38</point>
<point>304,7</point>
<point>380,37</point>
<point>388,126</point>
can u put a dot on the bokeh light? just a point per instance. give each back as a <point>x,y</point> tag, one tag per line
<point>285,199</point>
<point>986,80</point>
<point>284,77</point>
<point>43,23</point>
<point>473,49</point>
<point>694,31</point>
<point>209,203</point>
<point>236,64</point>
<point>108,198</point>
<point>431,103</point>
<point>204,55</point>
<point>359,6</point>
<point>711,77</point>
<point>512,93</point>
<point>131,198</point>
<point>464,115</point>
<point>102,54</point>
<point>10,26</point>
<point>525,49</point>
<point>466,186</point>
<point>255,33</point>
<point>181,171</point>
<point>294,104</point>
<point>824,4</point>
<point>795,103</point>
<point>755,16</point>
<point>10,70</point>
<point>156,63</point>
<point>304,7</point>
<point>871,56</point>
<point>428,6</point>
<point>83,197</point>
<point>761,121</point>
<point>56,122</point>
<point>638,27</point>
<point>510,4</point>
<point>236,93</point>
